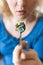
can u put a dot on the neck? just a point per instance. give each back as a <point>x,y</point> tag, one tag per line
<point>26,20</point>
<point>15,20</point>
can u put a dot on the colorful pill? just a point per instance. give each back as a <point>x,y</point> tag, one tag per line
<point>20,27</point>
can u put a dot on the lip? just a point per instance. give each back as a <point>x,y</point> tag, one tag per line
<point>21,12</point>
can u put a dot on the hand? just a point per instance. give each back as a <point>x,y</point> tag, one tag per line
<point>21,57</point>
<point>18,53</point>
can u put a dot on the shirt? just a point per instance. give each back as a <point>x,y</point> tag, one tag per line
<point>34,38</point>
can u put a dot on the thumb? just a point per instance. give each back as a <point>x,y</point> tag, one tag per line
<point>17,53</point>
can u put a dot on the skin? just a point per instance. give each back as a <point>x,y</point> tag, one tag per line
<point>25,57</point>
<point>26,5</point>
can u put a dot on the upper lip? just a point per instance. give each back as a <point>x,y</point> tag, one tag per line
<point>20,11</point>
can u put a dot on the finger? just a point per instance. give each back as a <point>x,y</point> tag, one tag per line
<point>16,54</point>
<point>31,54</point>
<point>24,44</point>
<point>17,51</point>
<point>23,56</point>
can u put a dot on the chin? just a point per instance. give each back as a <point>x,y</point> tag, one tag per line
<point>22,17</point>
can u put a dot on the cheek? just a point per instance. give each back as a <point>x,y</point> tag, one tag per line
<point>31,3</point>
<point>11,3</point>
<point>14,2</point>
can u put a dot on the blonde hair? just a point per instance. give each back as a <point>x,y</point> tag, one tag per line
<point>4,7</point>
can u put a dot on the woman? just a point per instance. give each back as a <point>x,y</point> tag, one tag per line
<point>13,12</point>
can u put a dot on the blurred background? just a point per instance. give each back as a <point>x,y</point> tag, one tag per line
<point>40,6</point>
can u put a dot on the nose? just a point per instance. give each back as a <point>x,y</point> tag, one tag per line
<point>21,3</point>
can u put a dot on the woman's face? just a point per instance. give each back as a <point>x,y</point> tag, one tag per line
<point>21,8</point>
